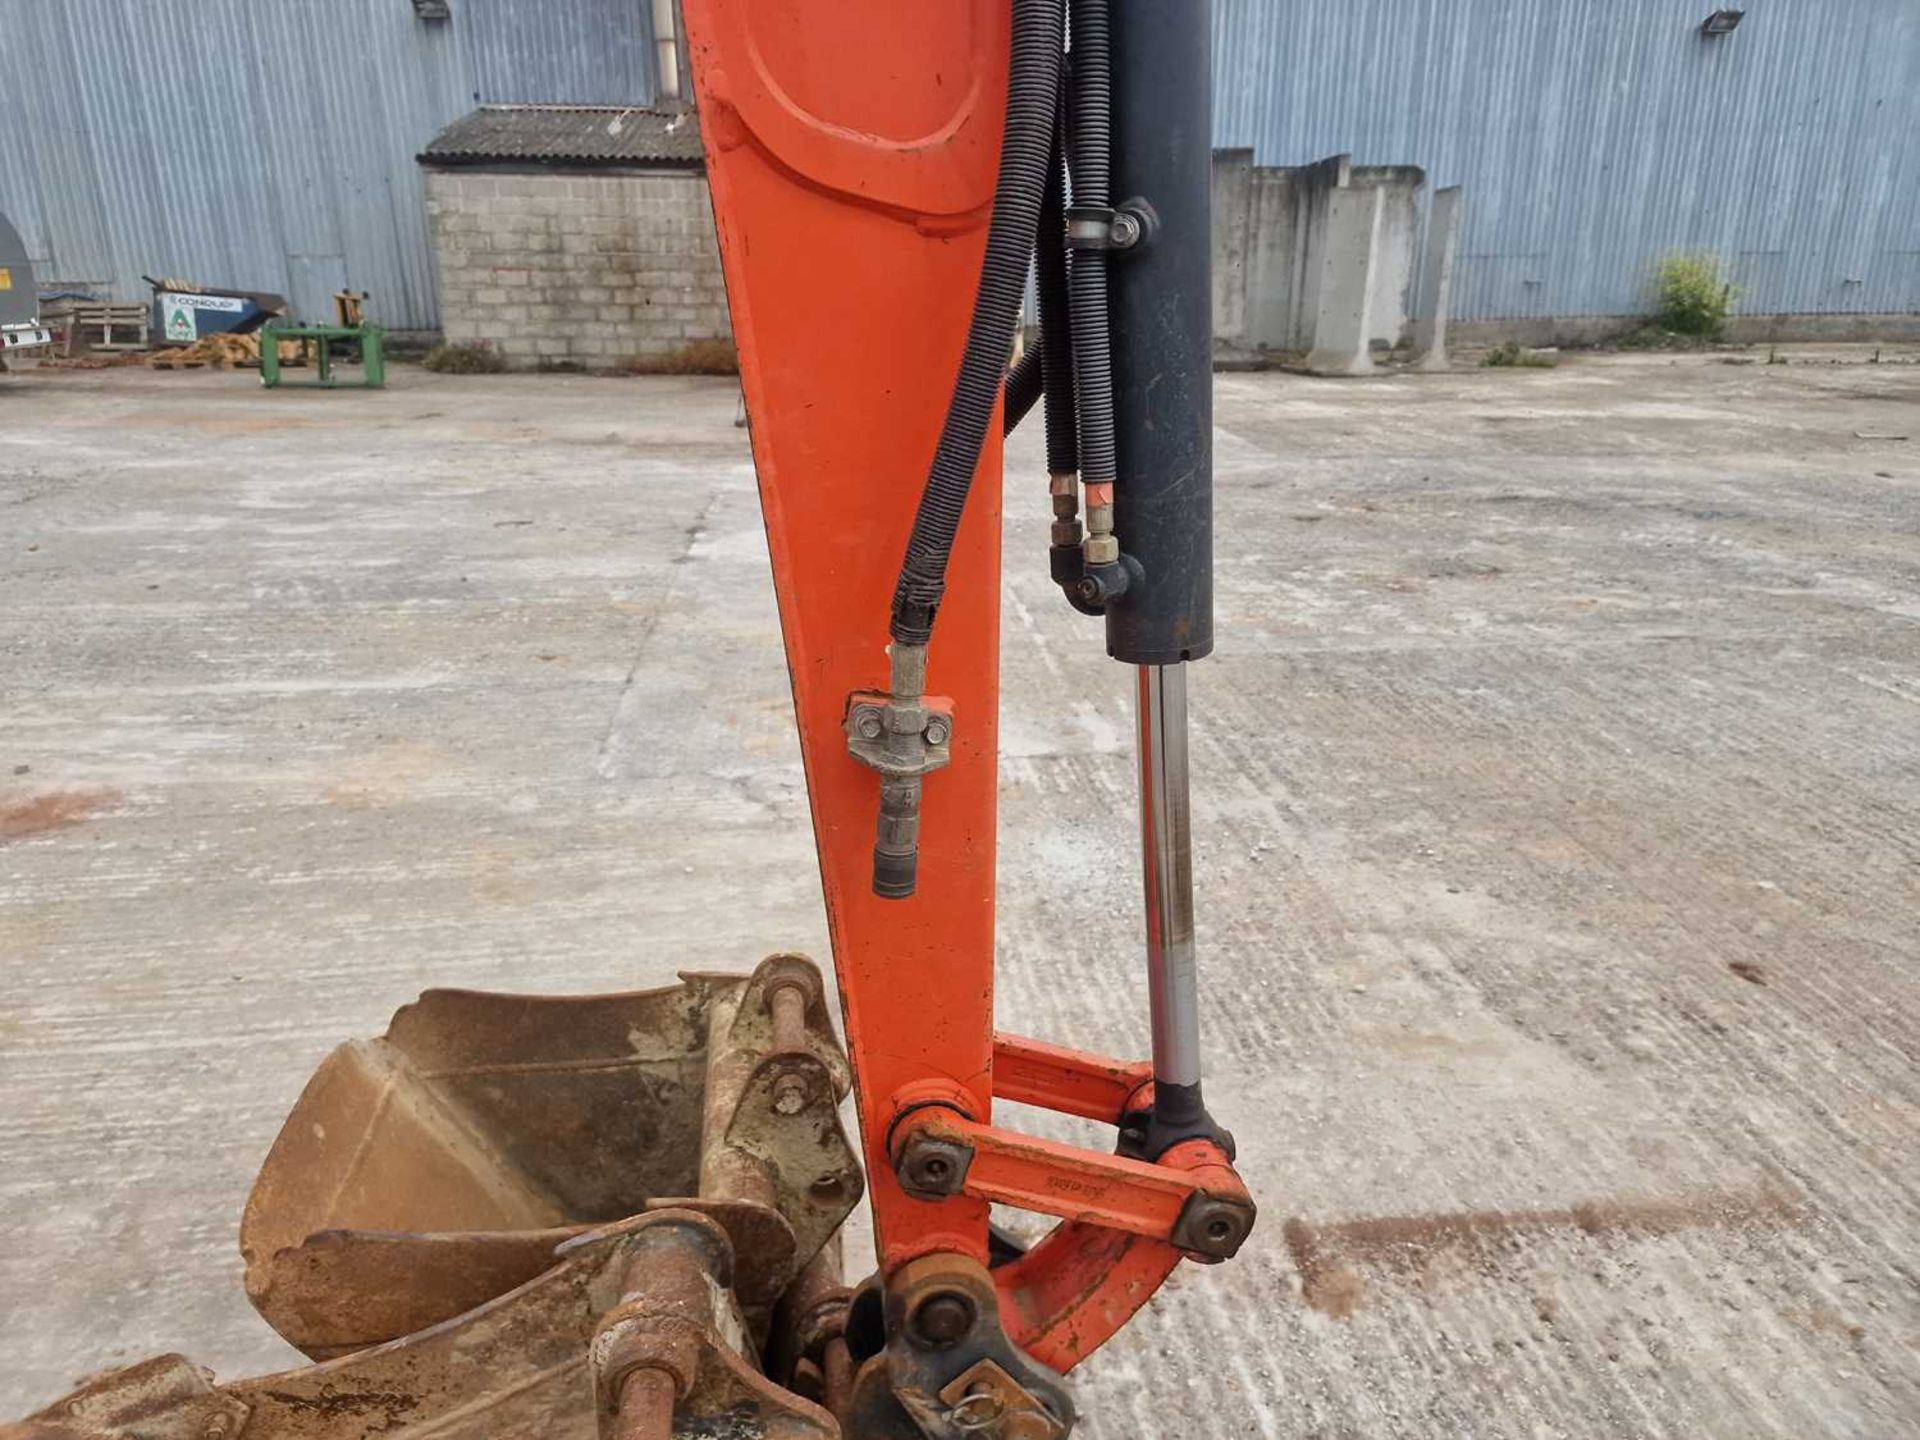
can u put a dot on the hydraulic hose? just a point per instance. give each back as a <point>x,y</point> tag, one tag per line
<point>1033,87</point>
<point>1089,152</point>
<point>1056,332</point>
<point>1022,389</point>
<point>1043,368</point>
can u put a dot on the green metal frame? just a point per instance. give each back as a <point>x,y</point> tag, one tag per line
<point>370,338</point>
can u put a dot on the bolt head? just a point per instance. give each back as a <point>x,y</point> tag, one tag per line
<point>943,1319</point>
<point>1213,1229</point>
<point>937,731</point>
<point>789,1095</point>
<point>933,1169</point>
<point>868,725</point>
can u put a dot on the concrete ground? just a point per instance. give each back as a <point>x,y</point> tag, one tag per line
<point>1559,851</point>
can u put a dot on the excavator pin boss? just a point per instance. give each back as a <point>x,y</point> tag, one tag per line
<point>617,1216</point>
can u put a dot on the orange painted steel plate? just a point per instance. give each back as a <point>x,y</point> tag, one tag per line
<point>852,151</point>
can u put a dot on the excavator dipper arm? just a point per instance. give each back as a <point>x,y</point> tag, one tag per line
<point>871,164</point>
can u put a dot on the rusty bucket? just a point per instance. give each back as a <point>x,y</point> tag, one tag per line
<point>428,1171</point>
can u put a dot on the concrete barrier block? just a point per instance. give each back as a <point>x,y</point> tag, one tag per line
<point>1233,176</point>
<point>1435,302</point>
<point>1394,258</point>
<point>1343,322</point>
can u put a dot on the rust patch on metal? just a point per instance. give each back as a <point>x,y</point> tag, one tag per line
<point>1428,1248</point>
<point>165,1398</point>
<point>24,816</point>
<point>332,1403</point>
<point>676,1319</point>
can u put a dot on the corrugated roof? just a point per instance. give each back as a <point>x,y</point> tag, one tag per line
<point>568,135</point>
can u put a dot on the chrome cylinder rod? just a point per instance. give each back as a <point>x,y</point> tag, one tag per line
<point>1166,840</point>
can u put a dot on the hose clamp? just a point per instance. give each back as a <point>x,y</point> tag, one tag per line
<point>1099,227</point>
<point>905,739</point>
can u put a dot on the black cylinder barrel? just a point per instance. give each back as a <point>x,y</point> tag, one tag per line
<point>1162,309</point>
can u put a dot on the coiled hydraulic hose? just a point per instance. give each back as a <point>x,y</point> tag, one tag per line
<point>1032,98</point>
<point>1089,153</point>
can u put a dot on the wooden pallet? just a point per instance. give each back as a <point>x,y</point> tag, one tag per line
<point>108,326</point>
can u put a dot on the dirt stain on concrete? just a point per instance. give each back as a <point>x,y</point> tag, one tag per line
<point>1427,1249</point>
<point>24,816</point>
<point>389,774</point>
<point>189,419</point>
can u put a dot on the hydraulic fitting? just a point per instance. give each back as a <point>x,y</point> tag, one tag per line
<point>1064,488</point>
<point>904,735</point>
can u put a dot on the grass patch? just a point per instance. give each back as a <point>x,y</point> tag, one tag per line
<point>1513,356</point>
<point>1692,300</point>
<point>479,358</point>
<point>1692,297</point>
<point>696,357</point>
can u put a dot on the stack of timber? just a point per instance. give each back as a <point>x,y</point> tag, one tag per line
<point>219,352</point>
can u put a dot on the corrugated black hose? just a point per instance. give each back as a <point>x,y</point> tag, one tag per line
<point>1089,153</point>
<point>1046,367</point>
<point>1056,326</point>
<point>1032,98</point>
<point>1023,388</point>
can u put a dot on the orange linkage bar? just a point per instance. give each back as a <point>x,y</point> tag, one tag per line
<point>1077,1287</point>
<point>1049,1178</point>
<point>1054,1179</point>
<point>1072,1082</point>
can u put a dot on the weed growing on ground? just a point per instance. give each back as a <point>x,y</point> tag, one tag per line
<point>1516,356</point>
<point>696,357</point>
<point>478,358</point>
<point>1692,297</point>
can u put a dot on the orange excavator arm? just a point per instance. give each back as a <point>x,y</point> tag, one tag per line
<point>881,174</point>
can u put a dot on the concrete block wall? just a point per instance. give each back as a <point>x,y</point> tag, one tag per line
<point>558,269</point>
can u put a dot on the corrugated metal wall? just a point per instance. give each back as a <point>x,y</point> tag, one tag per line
<point>554,52</point>
<point>1594,136</point>
<point>269,144</point>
